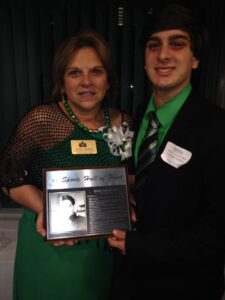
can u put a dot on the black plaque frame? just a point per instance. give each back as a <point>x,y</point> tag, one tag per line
<point>104,196</point>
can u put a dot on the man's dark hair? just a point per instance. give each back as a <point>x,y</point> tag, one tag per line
<point>176,16</point>
<point>68,197</point>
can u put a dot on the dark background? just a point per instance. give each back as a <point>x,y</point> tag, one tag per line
<point>31,30</point>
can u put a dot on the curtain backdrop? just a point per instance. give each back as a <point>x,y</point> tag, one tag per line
<point>31,30</point>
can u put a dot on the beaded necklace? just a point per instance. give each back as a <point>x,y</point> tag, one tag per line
<point>82,126</point>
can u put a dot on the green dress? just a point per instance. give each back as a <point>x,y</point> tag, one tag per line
<point>42,271</point>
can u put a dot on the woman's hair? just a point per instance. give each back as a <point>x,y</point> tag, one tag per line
<point>66,51</point>
<point>176,16</point>
<point>68,197</point>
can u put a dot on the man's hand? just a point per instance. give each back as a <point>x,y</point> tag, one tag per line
<point>118,240</point>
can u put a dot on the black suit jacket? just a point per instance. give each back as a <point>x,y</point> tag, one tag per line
<point>178,249</point>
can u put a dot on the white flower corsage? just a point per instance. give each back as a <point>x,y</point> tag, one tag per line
<point>119,140</point>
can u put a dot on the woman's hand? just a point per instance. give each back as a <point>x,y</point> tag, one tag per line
<point>40,224</point>
<point>41,230</point>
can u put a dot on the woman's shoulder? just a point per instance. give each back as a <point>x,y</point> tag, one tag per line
<point>41,110</point>
<point>41,113</point>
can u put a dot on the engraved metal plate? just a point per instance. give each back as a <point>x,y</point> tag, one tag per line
<point>85,203</point>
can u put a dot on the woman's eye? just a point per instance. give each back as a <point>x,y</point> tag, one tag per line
<point>74,73</point>
<point>97,71</point>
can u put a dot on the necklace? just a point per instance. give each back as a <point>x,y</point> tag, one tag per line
<point>82,126</point>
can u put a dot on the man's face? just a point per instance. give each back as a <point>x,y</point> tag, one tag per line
<point>169,61</point>
<point>67,208</point>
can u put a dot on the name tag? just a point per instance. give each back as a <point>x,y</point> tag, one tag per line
<point>83,147</point>
<point>175,155</point>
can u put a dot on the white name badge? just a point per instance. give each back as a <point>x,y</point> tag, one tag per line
<point>175,155</point>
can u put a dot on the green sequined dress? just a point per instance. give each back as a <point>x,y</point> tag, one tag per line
<point>42,271</point>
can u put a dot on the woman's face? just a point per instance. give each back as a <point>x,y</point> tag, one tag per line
<point>85,80</point>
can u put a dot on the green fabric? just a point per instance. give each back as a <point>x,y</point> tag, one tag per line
<point>45,272</point>
<point>166,114</point>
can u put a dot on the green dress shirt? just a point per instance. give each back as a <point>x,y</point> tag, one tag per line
<point>165,113</point>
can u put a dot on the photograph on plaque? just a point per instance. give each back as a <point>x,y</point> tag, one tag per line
<point>85,203</point>
<point>67,211</point>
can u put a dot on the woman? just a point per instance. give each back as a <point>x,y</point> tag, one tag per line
<point>83,81</point>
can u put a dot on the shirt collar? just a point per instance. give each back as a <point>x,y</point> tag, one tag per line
<point>167,112</point>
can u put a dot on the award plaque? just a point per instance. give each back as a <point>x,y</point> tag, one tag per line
<point>85,203</point>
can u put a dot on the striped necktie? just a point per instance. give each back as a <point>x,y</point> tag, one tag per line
<point>147,151</point>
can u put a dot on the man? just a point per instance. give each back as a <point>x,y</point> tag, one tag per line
<point>67,218</point>
<point>177,250</point>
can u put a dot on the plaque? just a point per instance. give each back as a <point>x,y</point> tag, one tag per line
<point>85,203</point>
